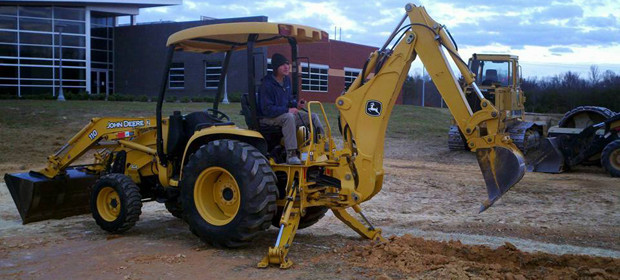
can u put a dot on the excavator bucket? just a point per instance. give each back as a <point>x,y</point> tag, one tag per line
<point>39,198</point>
<point>547,158</point>
<point>502,168</point>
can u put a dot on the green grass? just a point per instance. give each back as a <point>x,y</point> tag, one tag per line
<point>30,130</point>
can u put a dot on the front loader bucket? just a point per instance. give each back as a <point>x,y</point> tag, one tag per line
<point>547,158</point>
<point>39,198</point>
<point>502,168</point>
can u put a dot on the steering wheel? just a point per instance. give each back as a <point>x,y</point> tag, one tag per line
<point>217,115</point>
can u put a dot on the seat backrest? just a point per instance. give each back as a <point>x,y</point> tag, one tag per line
<point>245,109</point>
<point>191,120</point>
<point>491,75</point>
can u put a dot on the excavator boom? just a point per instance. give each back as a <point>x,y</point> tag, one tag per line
<point>366,107</point>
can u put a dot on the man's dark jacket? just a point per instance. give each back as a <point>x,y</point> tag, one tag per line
<point>275,99</point>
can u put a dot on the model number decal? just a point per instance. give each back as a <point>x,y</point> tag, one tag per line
<point>124,124</point>
<point>93,135</point>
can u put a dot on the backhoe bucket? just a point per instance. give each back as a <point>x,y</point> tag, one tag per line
<point>547,158</point>
<point>502,168</point>
<point>39,198</point>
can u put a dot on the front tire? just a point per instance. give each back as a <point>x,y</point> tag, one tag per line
<point>610,158</point>
<point>115,203</point>
<point>228,193</point>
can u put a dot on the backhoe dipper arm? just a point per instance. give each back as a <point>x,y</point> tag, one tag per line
<point>366,107</point>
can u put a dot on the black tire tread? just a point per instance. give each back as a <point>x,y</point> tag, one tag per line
<point>133,203</point>
<point>605,158</point>
<point>606,113</point>
<point>261,204</point>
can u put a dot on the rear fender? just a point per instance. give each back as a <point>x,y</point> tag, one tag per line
<point>209,134</point>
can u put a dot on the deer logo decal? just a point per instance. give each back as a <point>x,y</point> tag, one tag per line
<point>373,108</point>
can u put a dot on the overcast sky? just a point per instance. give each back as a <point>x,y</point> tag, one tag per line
<point>550,37</point>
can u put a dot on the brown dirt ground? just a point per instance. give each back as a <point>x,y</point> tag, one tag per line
<point>563,226</point>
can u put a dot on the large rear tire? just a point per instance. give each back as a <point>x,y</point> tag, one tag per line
<point>228,193</point>
<point>115,203</point>
<point>610,158</point>
<point>584,116</point>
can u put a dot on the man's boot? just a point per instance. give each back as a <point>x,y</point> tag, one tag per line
<point>291,157</point>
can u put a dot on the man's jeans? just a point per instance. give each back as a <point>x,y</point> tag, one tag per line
<point>289,123</point>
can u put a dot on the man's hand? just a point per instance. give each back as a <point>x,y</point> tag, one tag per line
<point>293,110</point>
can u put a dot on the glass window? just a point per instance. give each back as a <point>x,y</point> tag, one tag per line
<point>71,73</point>
<point>176,76</point>
<point>315,78</point>
<point>37,61</point>
<point>73,63</point>
<point>70,26</point>
<point>34,11</point>
<point>8,50</point>
<point>71,53</point>
<point>100,32</point>
<point>70,40</point>
<point>35,24</point>
<point>8,22</point>
<point>213,72</point>
<point>8,71</point>
<point>99,56</point>
<point>34,72</point>
<point>8,37</point>
<point>36,82</point>
<point>8,90</point>
<point>36,90</point>
<point>8,10</point>
<point>11,60</point>
<point>99,65</point>
<point>35,38</point>
<point>36,51</point>
<point>98,44</point>
<point>492,72</point>
<point>69,13</point>
<point>350,74</point>
<point>7,81</point>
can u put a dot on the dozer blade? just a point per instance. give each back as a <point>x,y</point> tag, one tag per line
<point>502,168</point>
<point>547,158</point>
<point>39,198</point>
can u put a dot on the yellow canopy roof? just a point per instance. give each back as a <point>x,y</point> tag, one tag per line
<point>227,36</point>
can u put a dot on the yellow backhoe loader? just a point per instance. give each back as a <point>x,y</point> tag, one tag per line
<point>227,183</point>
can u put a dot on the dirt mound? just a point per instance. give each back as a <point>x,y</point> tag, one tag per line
<point>419,258</point>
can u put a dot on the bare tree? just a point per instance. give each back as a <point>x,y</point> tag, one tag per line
<point>595,74</point>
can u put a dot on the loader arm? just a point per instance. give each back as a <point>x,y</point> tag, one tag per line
<point>112,130</point>
<point>366,107</point>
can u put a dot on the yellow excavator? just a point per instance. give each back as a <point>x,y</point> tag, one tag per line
<point>499,76</point>
<point>227,183</point>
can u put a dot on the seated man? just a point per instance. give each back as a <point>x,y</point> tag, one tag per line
<point>277,106</point>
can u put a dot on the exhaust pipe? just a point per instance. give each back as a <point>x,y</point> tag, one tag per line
<point>40,198</point>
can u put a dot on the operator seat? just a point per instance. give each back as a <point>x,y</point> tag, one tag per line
<point>490,77</point>
<point>271,133</point>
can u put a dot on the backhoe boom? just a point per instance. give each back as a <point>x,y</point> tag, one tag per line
<point>366,107</point>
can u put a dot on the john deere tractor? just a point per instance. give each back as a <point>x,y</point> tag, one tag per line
<point>228,183</point>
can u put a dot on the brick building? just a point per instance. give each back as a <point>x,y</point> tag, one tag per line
<point>333,67</point>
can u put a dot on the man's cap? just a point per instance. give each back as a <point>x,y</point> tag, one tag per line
<point>277,60</point>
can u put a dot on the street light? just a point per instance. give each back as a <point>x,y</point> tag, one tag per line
<point>61,96</point>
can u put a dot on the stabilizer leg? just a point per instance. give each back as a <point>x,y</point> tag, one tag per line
<point>369,231</point>
<point>289,222</point>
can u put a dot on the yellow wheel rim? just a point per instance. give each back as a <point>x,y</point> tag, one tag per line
<point>217,196</point>
<point>108,204</point>
<point>614,159</point>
